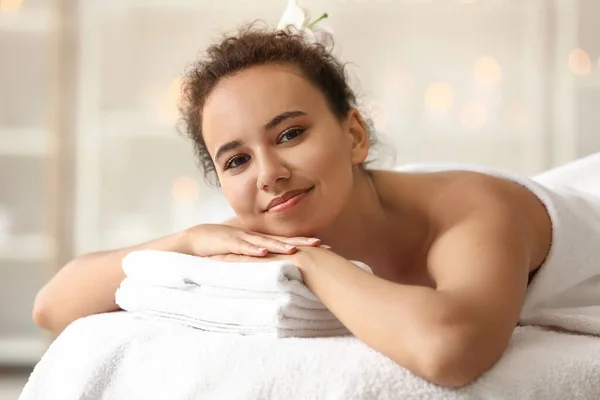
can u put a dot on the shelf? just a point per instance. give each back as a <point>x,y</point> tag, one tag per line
<point>25,21</point>
<point>23,142</point>
<point>32,247</point>
<point>22,351</point>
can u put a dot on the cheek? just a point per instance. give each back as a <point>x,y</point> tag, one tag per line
<point>330,162</point>
<point>329,156</point>
<point>239,193</point>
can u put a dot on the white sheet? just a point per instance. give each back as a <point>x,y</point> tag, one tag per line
<point>118,356</point>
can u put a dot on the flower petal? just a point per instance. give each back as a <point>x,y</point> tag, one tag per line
<point>293,15</point>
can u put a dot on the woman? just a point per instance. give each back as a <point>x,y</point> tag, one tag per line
<point>274,119</point>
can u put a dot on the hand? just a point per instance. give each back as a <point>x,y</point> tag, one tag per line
<point>236,258</point>
<point>213,239</point>
<point>266,258</point>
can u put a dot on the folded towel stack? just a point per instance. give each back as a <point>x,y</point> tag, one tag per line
<point>267,298</point>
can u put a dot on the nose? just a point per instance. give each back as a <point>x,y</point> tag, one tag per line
<point>270,169</point>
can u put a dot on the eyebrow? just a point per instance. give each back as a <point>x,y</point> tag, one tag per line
<point>227,147</point>
<point>282,117</point>
<point>268,126</point>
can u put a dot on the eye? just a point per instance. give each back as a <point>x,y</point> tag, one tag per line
<point>290,134</point>
<point>236,161</point>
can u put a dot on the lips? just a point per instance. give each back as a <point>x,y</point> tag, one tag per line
<point>285,197</point>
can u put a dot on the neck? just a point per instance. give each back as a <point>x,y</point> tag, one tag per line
<point>362,222</point>
<point>370,228</point>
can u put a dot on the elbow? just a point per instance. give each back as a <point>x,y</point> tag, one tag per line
<point>48,311</point>
<point>44,314</point>
<point>41,311</point>
<point>448,363</point>
<point>451,373</point>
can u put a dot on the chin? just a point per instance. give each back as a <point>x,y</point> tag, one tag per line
<point>298,226</point>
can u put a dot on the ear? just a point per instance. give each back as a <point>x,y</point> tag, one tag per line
<point>359,137</point>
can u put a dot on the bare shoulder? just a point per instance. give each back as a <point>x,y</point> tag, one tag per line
<point>450,198</point>
<point>456,195</point>
<point>452,195</point>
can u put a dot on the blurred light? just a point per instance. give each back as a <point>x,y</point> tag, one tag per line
<point>10,5</point>
<point>167,111</point>
<point>175,91</point>
<point>439,95</point>
<point>167,114</point>
<point>516,117</point>
<point>487,71</point>
<point>473,115</point>
<point>579,62</point>
<point>185,190</point>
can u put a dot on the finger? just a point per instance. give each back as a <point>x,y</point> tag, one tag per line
<point>242,258</point>
<point>251,249</point>
<point>272,245</point>
<point>324,246</point>
<point>298,240</point>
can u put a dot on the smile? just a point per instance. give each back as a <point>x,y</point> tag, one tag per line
<point>289,203</point>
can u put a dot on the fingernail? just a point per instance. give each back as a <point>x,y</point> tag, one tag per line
<point>314,240</point>
<point>325,246</point>
<point>289,246</point>
<point>262,250</point>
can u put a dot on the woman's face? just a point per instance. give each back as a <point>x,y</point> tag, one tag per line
<point>284,161</point>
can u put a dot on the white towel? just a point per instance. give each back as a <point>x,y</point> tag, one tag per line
<point>267,298</point>
<point>582,174</point>
<point>235,314</point>
<point>565,292</point>
<point>119,356</point>
<point>168,269</point>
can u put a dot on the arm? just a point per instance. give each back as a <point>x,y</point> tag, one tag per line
<point>448,335</point>
<point>87,285</point>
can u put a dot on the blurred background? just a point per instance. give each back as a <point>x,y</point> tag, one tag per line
<point>90,158</point>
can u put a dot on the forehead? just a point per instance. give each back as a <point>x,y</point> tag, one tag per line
<point>247,100</point>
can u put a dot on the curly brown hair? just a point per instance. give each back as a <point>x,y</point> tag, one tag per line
<point>249,47</point>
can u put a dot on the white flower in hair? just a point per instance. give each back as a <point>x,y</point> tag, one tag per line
<point>297,16</point>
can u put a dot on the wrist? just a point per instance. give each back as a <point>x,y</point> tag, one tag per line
<point>306,256</point>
